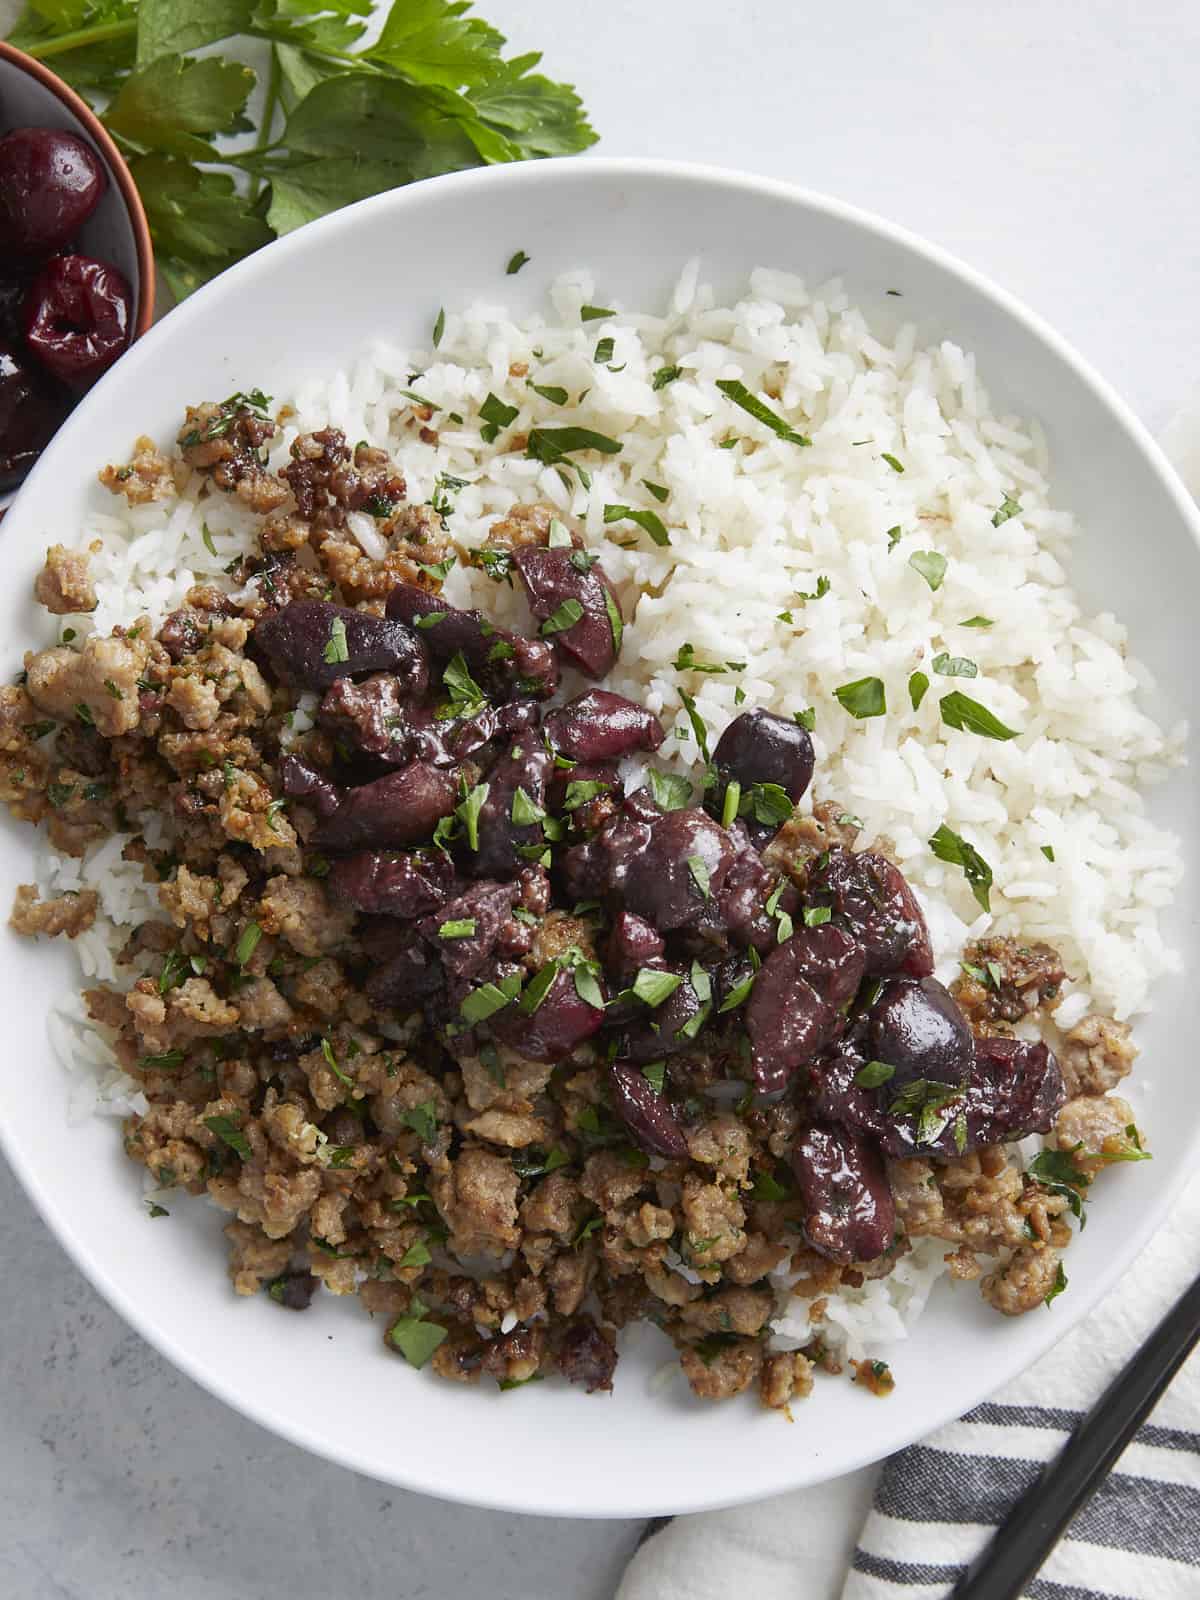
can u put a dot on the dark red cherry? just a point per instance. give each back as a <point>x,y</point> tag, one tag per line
<point>50,183</point>
<point>77,318</point>
<point>30,411</point>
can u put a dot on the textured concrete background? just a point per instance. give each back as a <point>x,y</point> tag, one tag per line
<point>1054,147</point>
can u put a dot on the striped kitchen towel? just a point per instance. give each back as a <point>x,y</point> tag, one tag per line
<point>937,1502</point>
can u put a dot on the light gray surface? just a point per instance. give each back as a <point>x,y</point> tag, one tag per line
<point>1053,146</point>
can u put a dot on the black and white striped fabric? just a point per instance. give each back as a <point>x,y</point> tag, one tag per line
<point>937,1502</point>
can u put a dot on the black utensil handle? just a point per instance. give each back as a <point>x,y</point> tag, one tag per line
<point>1038,1520</point>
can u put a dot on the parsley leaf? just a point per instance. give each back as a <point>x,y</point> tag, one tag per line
<point>918,687</point>
<point>952,847</point>
<point>1008,508</point>
<point>873,1074</point>
<point>664,376</point>
<point>468,812</point>
<point>649,520</point>
<point>955,666</point>
<point>336,649</point>
<point>960,711</point>
<point>550,445</point>
<point>563,617</point>
<point>931,565</point>
<point>516,262</point>
<point>865,697</point>
<point>653,987</point>
<point>228,1130</point>
<point>750,403</point>
<point>670,791</point>
<point>339,119</point>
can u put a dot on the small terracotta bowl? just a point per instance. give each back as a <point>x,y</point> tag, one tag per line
<point>32,97</point>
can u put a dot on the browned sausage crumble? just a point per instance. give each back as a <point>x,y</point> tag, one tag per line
<point>447,1019</point>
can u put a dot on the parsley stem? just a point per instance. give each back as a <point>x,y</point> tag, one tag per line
<point>270,105</point>
<point>65,42</point>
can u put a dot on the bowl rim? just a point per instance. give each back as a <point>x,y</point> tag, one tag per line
<point>275,257</point>
<point>118,166</point>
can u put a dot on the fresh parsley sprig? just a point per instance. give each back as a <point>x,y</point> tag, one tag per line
<point>340,119</point>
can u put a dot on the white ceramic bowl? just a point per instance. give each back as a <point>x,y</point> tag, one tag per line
<point>306,305</point>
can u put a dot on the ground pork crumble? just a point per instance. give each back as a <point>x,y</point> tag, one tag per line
<point>325,1021</point>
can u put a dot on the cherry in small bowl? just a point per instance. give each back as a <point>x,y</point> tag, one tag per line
<point>30,411</point>
<point>51,181</point>
<point>77,318</point>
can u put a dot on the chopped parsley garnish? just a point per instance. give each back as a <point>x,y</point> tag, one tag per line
<point>1056,1171</point>
<point>950,846</point>
<point>955,666</point>
<point>873,1074</point>
<point>532,1164</point>
<point>894,535</point>
<point>415,1338</point>
<point>457,928</point>
<point>206,535</point>
<point>926,1100</point>
<point>896,466</point>
<point>331,1061</point>
<point>736,391</point>
<point>671,792</point>
<point>1059,1284</point>
<point>580,791</point>
<point>84,712</point>
<point>655,1074</point>
<point>167,1061</point>
<point>556,395</point>
<point>806,719</point>
<point>422,1119</point>
<point>729,806</point>
<point>561,618</point>
<point>768,1187</point>
<point>515,263</point>
<point>648,520</point>
<point>654,987</point>
<point>664,376</point>
<point>439,327</point>
<point>769,802</point>
<point>685,661</point>
<point>489,998</point>
<point>1048,851</point>
<point>417,1255</point>
<point>524,810</point>
<point>918,687</point>
<point>466,697</point>
<point>336,649</point>
<point>603,351</point>
<point>699,729</point>
<point>495,415</point>
<point>816,916</point>
<point>819,593</point>
<point>865,697</point>
<point>228,1130</point>
<point>174,970</point>
<point>658,490</point>
<point>468,811</point>
<point>595,313</point>
<point>978,622</point>
<point>698,868</point>
<point>550,445</point>
<point>587,985</point>
<point>59,793</point>
<point>247,943</point>
<point>930,565</point>
<point>439,570</point>
<point>741,991</point>
<point>1007,508</point>
<point>960,711</point>
<point>419,399</point>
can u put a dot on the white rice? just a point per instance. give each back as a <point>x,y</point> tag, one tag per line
<point>753,528</point>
